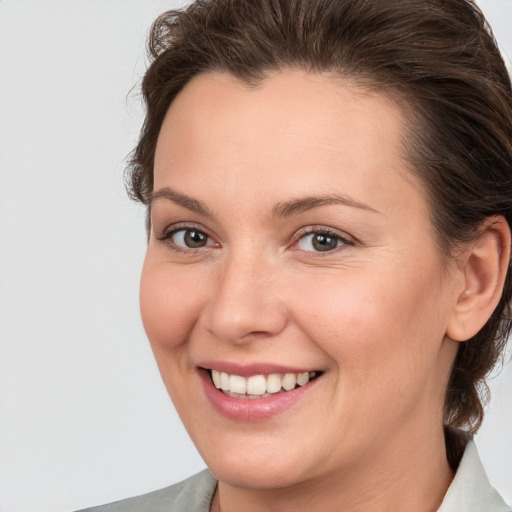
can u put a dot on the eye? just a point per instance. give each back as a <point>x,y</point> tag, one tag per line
<point>320,241</point>
<point>187,238</point>
<point>191,238</point>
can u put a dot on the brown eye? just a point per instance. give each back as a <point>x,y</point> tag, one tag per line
<point>189,238</point>
<point>324,242</point>
<point>320,242</point>
<point>195,239</point>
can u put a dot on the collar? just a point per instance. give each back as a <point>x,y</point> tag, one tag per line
<point>470,490</point>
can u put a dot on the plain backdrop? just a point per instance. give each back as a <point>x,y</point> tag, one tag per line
<point>84,418</point>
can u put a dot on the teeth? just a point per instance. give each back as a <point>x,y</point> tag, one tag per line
<point>216,379</point>
<point>273,383</point>
<point>289,381</point>
<point>224,381</point>
<point>258,385</point>
<point>238,384</point>
<point>302,378</point>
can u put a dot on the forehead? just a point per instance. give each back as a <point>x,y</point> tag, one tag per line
<point>300,100</point>
<point>309,131</point>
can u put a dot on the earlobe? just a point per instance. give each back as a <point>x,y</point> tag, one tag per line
<point>484,267</point>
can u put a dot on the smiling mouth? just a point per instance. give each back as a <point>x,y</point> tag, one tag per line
<point>260,386</point>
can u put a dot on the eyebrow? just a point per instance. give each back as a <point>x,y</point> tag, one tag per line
<point>279,210</point>
<point>308,203</point>
<point>181,199</point>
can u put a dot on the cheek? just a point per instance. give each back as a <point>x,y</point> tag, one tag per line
<point>170,305</point>
<point>372,322</point>
<point>383,338</point>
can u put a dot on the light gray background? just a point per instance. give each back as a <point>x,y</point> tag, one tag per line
<point>84,418</point>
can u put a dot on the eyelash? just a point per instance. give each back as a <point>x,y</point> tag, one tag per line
<point>168,234</point>
<point>328,232</point>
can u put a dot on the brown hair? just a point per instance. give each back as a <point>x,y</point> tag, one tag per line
<point>438,56</point>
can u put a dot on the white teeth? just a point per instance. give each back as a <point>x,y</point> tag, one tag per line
<point>216,379</point>
<point>302,378</point>
<point>238,385</point>
<point>273,383</point>
<point>224,381</point>
<point>258,385</point>
<point>289,381</point>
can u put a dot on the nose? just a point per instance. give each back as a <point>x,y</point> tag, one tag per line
<point>247,302</point>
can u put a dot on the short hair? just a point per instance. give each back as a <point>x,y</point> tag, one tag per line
<point>437,58</point>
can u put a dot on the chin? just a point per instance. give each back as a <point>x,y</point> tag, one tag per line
<point>261,464</point>
<point>257,475</point>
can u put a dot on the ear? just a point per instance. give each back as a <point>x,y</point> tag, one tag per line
<point>484,266</point>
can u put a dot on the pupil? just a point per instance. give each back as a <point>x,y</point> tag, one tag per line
<point>195,239</point>
<point>324,242</point>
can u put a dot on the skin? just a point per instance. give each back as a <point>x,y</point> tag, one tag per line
<point>373,314</point>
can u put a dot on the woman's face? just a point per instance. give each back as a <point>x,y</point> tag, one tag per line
<point>290,241</point>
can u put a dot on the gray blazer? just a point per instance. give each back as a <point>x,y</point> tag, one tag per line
<point>470,491</point>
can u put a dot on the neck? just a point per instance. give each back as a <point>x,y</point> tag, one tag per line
<point>400,477</point>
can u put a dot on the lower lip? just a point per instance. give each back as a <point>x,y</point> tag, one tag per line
<point>252,409</point>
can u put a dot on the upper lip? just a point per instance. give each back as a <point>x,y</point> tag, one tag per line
<point>246,370</point>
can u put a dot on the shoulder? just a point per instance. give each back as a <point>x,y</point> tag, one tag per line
<point>191,495</point>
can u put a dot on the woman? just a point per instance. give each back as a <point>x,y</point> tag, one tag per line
<point>327,282</point>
